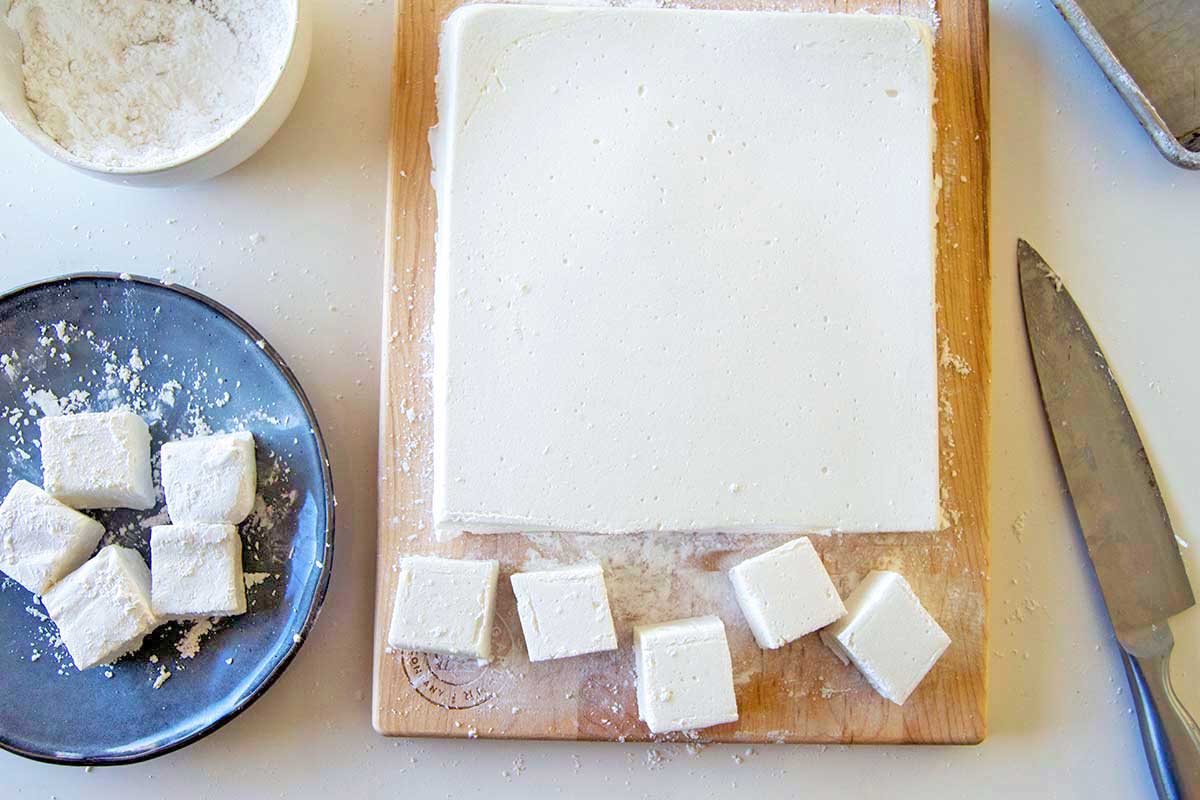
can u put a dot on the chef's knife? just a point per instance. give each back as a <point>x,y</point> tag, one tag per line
<point>1121,513</point>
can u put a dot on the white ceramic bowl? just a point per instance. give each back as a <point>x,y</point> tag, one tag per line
<point>226,154</point>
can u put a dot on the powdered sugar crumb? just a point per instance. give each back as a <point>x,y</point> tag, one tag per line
<point>189,644</point>
<point>951,360</point>
<point>252,579</point>
<point>163,677</point>
<point>1018,525</point>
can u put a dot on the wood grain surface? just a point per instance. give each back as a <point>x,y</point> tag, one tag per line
<point>799,693</point>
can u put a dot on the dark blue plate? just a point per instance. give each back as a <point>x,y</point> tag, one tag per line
<point>187,364</point>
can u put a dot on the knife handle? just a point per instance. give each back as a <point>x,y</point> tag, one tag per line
<point>1169,733</point>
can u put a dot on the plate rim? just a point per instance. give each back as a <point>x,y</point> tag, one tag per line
<point>322,587</point>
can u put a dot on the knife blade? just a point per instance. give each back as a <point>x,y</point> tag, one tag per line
<point>1116,496</point>
<point>1121,513</point>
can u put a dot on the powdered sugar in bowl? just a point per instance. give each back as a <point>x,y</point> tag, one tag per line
<point>151,92</point>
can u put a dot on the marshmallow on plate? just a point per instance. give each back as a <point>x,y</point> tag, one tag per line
<point>42,540</point>
<point>97,460</point>
<point>196,571</point>
<point>102,609</point>
<point>209,478</point>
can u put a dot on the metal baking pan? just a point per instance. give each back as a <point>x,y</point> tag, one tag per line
<point>1150,51</point>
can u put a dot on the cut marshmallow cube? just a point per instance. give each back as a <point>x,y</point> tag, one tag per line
<point>445,606</point>
<point>564,612</point>
<point>196,571</point>
<point>97,460</point>
<point>888,635</point>
<point>42,540</point>
<point>786,593</point>
<point>209,478</point>
<point>684,675</point>
<point>102,609</point>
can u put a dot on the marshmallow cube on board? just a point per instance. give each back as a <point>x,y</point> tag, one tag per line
<point>102,609</point>
<point>196,571</point>
<point>786,593</point>
<point>42,540</point>
<point>888,635</point>
<point>649,238</point>
<point>97,460</point>
<point>210,478</point>
<point>684,675</point>
<point>445,606</point>
<point>564,612</point>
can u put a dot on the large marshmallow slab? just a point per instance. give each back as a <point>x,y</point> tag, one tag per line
<point>209,478</point>
<point>888,635</point>
<point>684,675</point>
<point>41,540</point>
<point>786,593</point>
<point>196,571</point>
<point>445,606</point>
<point>102,609</point>
<point>685,272</point>
<point>564,612</point>
<point>97,460</point>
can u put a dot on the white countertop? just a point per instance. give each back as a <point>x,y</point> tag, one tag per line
<point>1071,172</point>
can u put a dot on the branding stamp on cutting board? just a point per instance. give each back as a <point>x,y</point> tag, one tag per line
<point>460,683</point>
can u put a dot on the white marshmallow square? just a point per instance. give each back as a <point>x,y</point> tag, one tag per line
<point>786,593</point>
<point>97,460</point>
<point>684,675</point>
<point>445,606</point>
<point>196,571</point>
<point>649,238</point>
<point>564,612</point>
<point>888,635</point>
<point>210,478</point>
<point>102,609</point>
<point>42,540</point>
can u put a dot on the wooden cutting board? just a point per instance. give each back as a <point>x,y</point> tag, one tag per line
<point>799,693</point>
